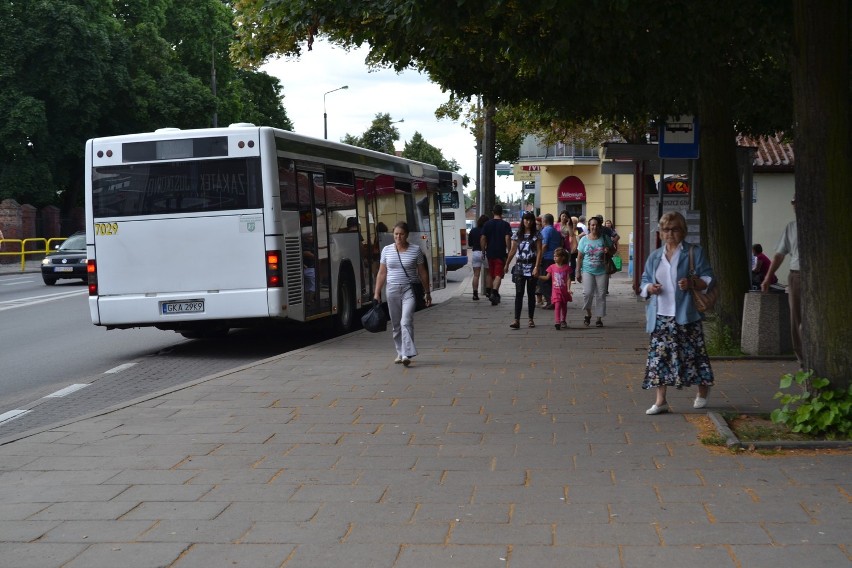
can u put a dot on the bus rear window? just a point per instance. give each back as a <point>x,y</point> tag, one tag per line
<point>450,200</point>
<point>176,187</point>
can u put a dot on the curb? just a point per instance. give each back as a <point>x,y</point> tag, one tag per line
<point>731,440</point>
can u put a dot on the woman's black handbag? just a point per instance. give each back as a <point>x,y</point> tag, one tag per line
<point>419,295</point>
<point>416,287</point>
<point>376,318</point>
<point>611,268</point>
<point>517,273</point>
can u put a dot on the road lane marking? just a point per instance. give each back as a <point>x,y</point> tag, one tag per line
<point>33,300</point>
<point>17,281</point>
<point>11,415</point>
<point>120,368</point>
<point>67,390</point>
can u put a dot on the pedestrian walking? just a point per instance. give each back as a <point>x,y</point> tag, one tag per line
<point>551,239</point>
<point>677,355</point>
<point>495,242</point>
<point>400,264</point>
<point>526,244</point>
<point>559,276</point>
<point>591,262</point>
<point>476,253</point>
<point>565,226</point>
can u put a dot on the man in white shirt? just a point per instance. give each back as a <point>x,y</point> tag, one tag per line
<point>789,244</point>
<point>581,226</point>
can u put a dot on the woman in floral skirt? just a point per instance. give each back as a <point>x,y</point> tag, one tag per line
<point>677,355</point>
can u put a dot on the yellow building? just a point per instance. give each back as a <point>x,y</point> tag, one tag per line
<point>568,178</point>
<point>571,177</point>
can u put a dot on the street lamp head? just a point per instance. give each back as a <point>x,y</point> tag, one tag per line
<point>333,90</point>
<point>324,113</point>
<point>397,121</point>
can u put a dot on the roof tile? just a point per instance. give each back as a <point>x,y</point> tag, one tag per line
<point>772,153</point>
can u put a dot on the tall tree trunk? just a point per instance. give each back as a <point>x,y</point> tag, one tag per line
<point>721,213</point>
<point>489,158</point>
<point>823,141</point>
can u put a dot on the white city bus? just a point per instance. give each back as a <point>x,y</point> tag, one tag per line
<point>453,219</point>
<point>200,231</point>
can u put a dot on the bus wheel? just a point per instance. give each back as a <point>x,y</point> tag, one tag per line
<point>344,321</point>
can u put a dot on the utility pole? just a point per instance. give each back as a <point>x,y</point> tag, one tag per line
<point>213,83</point>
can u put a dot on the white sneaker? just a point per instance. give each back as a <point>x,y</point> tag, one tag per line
<point>406,361</point>
<point>398,359</point>
<point>699,402</point>
<point>658,409</point>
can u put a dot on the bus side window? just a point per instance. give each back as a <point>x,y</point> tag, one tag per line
<point>287,184</point>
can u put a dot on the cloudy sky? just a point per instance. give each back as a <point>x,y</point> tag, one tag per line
<point>409,96</point>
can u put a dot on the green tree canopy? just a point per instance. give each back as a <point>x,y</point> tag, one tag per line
<point>380,136</point>
<point>58,79</point>
<point>419,149</point>
<point>71,70</point>
<point>611,62</point>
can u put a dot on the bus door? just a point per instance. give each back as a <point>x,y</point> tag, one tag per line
<point>368,218</point>
<point>426,217</point>
<point>314,229</point>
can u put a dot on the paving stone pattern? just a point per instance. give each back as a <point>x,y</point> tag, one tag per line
<point>525,448</point>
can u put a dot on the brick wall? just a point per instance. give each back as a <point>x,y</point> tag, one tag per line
<point>26,222</point>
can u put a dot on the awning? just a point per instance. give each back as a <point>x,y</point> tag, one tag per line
<point>623,157</point>
<point>571,189</point>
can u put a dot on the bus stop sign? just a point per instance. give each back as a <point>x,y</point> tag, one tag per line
<point>679,138</point>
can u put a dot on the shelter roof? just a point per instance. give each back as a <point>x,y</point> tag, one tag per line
<point>772,153</point>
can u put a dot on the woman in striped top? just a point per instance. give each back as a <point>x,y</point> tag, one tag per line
<point>401,263</point>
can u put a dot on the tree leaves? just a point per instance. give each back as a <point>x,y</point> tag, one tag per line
<point>76,69</point>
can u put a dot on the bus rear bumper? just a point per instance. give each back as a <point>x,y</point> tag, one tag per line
<point>455,262</point>
<point>166,311</point>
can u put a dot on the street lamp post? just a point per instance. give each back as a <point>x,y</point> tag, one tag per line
<point>325,114</point>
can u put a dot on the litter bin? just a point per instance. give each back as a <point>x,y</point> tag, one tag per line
<point>766,323</point>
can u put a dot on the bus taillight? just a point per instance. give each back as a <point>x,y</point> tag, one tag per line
<point>274,273</point>
<point>92,272</point>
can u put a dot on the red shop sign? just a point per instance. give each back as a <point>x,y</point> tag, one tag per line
<point>571,189</point>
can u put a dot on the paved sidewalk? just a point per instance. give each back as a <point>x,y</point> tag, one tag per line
<point>525,448</point>
<point>15,267</point>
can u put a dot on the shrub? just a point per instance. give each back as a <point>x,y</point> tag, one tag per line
<point>719,340</point>
<point>818,410</point>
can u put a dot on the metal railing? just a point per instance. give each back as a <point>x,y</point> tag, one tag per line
<point>24,244</point>
<point>532,148</point>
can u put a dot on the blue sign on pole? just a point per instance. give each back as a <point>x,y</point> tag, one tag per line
<point>679,139</point>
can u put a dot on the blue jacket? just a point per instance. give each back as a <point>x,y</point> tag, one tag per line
<point>685,311</point>
<point>551,239</point>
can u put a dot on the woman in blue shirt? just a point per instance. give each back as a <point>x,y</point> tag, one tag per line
<point>591,261</point>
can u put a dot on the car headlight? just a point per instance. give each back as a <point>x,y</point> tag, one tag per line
<point>45,261</point>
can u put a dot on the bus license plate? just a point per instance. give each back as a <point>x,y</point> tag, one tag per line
<point>63,269</point>
<point>183,307</point>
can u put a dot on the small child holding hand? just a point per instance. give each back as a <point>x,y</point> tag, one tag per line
<point>560,295</point>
